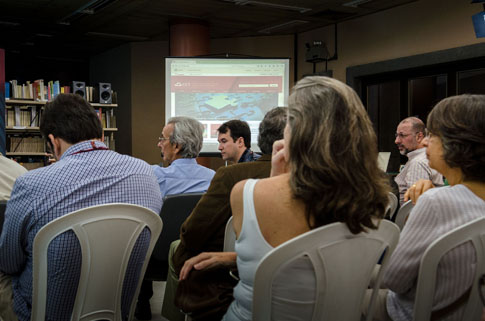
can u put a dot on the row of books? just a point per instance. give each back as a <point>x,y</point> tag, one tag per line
<point>39,91</point>
<point>36,144</point>
<point>107,117</point>
<point>29,116</point>
<point>109,141</point>
<point>35,90</point>
<point>22,116</point>
<point>24,144</point>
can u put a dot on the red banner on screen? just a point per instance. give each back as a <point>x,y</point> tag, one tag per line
<point>223,84</point>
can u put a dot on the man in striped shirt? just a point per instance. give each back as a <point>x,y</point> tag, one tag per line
<point>410,138</point>
<point>86,173</point>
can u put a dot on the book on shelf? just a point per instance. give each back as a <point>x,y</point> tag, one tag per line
<point>24,144</point>
<point>35,90</point>
<point>22,116</point>
<point>109,141</point>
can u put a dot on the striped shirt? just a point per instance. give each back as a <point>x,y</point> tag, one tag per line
<point>415,169</point>
<point>84,176</point>
<point>438,211</point>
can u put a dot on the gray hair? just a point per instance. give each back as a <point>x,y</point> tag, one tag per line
<point>188,134</point>
<point>416,123</point>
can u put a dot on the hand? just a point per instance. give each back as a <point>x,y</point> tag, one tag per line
<point>418,188</point>
<point>279,163</point>
<point>206,260</point>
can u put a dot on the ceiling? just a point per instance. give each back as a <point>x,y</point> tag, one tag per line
<point>81,28</point>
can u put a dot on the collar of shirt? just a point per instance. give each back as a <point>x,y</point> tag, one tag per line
<point>416,152</point>
<point>81,146</point>
<point>183,161</point>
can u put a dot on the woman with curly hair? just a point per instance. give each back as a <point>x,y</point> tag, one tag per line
<point>456,149</point>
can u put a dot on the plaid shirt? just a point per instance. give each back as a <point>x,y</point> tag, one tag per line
<point>84,176</point>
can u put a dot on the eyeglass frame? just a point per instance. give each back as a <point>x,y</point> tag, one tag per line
<point>162,139</point>
<point>402,136</point>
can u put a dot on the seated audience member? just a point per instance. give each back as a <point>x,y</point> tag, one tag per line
<point>312,184</point>
<point>9,171</point>
<point>85,174</point>
<point>204,228</point>
<point>180,144</point>
<point>410,139</point>
<point>456,150</point>
<point>234,139</point>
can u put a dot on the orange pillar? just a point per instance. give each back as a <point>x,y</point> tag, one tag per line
<point>188,38</point>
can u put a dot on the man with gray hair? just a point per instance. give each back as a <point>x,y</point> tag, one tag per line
<point>180,143</point>
<point>411,140</point>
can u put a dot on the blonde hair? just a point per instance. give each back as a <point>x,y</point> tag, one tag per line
<point>333,155</point>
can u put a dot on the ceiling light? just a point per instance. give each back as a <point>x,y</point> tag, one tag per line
<point>355,3</point>
<point>269,4</point>
<point>283,25</point>
<point>116,36</point>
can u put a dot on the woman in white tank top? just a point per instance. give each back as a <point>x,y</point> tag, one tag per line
<point>324,170</point>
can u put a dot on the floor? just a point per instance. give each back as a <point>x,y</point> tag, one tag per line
<point>157,299</point>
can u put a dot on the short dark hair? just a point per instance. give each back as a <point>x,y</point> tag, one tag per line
<point>459,121</point>
<point>238,129</point>
<point>271,128</point>
<point>72,118</point>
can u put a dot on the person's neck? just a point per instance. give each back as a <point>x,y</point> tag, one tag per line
<point>241,153</point>
<point>478,188</point>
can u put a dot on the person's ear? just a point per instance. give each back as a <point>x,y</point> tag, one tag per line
<point>56,145</point>
<point>176,148</point>
<point>419,137</point>
<point>240,142</point>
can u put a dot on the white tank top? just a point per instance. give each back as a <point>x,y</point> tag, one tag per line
<point>291,300</point>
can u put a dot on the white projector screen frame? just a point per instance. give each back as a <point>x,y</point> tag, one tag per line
<point>214,90</point>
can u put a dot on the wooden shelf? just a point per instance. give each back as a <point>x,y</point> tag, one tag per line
<point>34,102</point>
<point>11,129</point>
<point>27,154</point>
<point>24,102</point>
<point>110,129</point>
<point>103,105</point>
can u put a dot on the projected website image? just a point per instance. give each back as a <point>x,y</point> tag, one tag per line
<point>223,106</point>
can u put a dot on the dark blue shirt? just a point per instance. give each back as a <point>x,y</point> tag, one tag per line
<point>248,156</point>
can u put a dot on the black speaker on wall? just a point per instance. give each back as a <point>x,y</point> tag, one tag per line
<point>103,93</point>
<point>79,87</point>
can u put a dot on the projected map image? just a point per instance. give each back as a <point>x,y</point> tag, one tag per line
<point>223,106</point>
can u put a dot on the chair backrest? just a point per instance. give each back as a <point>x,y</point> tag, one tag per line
<point>343,264</point>
<point>402,214</point>
<point>3,207</point>
<point>107,235</point>
<point>175,210</point>
<point>392,205</point>
<point>229,237</point>
<point>473,232</point>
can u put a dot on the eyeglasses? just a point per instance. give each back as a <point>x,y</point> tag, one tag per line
<point>402,136</point>
<point>162,139</point>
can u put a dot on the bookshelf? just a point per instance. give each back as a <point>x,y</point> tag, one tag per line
<point>24,141</point>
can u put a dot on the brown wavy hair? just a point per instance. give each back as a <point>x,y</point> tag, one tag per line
<point>459,121</point>
<point>333,156</point>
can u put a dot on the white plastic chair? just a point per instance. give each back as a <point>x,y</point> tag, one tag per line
<point>392,206</point>
<point>474,232</point>
<point>343,264</point>
<point>107,234</point>
<point>229,237</point>
<point>402,214</point>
